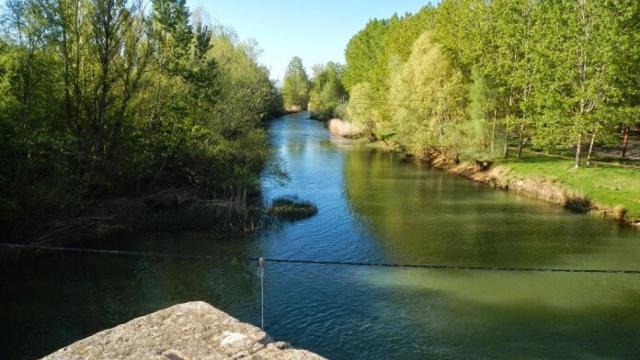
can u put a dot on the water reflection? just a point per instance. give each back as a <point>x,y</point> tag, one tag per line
<point>424,215</point>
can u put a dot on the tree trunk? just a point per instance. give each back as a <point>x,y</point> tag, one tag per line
<point>593,140</point>
<point>493,133</point>
<point>578,151</point>
<point>506,142</point>
<point>625,142</point>
<point>67,69</point>
<point>521,141</point>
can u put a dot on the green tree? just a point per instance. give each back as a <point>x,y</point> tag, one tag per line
<point>555,74</point>
<point>404,31</point>
<point>327,91</point>
<point>429,97</point>
<point>122,100</point>
<point>580,38</point>
<point>295,89</point>
<point>366,57</point>
<point>482,123</point>
<point>361,108</point>
<point>462,26</point>
<point>509,63</point>
<point>626,67</point>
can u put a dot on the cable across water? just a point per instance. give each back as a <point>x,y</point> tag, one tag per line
<point>311,261</point>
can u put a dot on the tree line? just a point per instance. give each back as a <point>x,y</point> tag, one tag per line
<point>476,78</point>
<point>111,97</point>
<point>322,94</point>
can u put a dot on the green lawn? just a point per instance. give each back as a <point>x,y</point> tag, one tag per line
<point>605,184</point>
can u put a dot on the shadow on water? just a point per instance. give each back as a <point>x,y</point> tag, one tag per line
<point>506,315</point>
<point>57,299</point>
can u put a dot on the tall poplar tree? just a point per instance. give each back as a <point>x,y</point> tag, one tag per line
<point>575,67</point>
<point>295,89</point>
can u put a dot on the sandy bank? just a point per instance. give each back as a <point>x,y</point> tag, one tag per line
<point>344,128</point>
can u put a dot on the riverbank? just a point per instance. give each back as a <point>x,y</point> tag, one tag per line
<point>172,209</point>
<point>609,191</point>
<point>602,190</point>
<point>345,129</point>
<point>588,190</point>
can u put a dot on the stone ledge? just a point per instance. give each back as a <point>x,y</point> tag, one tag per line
<point>190,331</point>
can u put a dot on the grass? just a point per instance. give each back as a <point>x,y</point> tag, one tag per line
<point>607,185</point>
<point>291,208</point>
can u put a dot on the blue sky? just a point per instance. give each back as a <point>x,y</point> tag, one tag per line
<point>317,31</point>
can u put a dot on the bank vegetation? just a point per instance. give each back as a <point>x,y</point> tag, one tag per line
<point>111,98</point>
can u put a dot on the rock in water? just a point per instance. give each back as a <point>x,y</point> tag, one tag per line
<point>190,331</point>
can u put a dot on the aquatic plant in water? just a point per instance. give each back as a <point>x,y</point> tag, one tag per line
<point>291,208</point>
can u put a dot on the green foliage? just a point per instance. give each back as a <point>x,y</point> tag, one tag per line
<point>428,94</point>
<point>555,74</point>
<point>582,71</point>
<point>102,98</point>
<point>371,55</point>
<point>362,107</point>
<point>366,56</point>
<point>404,31</point>
<point>462,26</point>
<point>327,91</point>
<point>367,72</point>
<point>295,89</point>
<point>481,127</point>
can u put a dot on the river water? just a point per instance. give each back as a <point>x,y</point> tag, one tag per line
<point>372,208</point>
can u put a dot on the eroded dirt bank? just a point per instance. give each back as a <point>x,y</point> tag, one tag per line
<point>538,187</point>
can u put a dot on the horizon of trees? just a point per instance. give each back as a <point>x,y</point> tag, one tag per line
<point>327,92</point>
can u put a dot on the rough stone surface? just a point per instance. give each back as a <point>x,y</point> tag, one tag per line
<point>191,331</point>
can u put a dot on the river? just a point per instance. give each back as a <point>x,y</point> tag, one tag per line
<point>372,208</point>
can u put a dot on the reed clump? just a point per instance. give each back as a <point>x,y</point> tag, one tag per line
<point>291,208</point>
